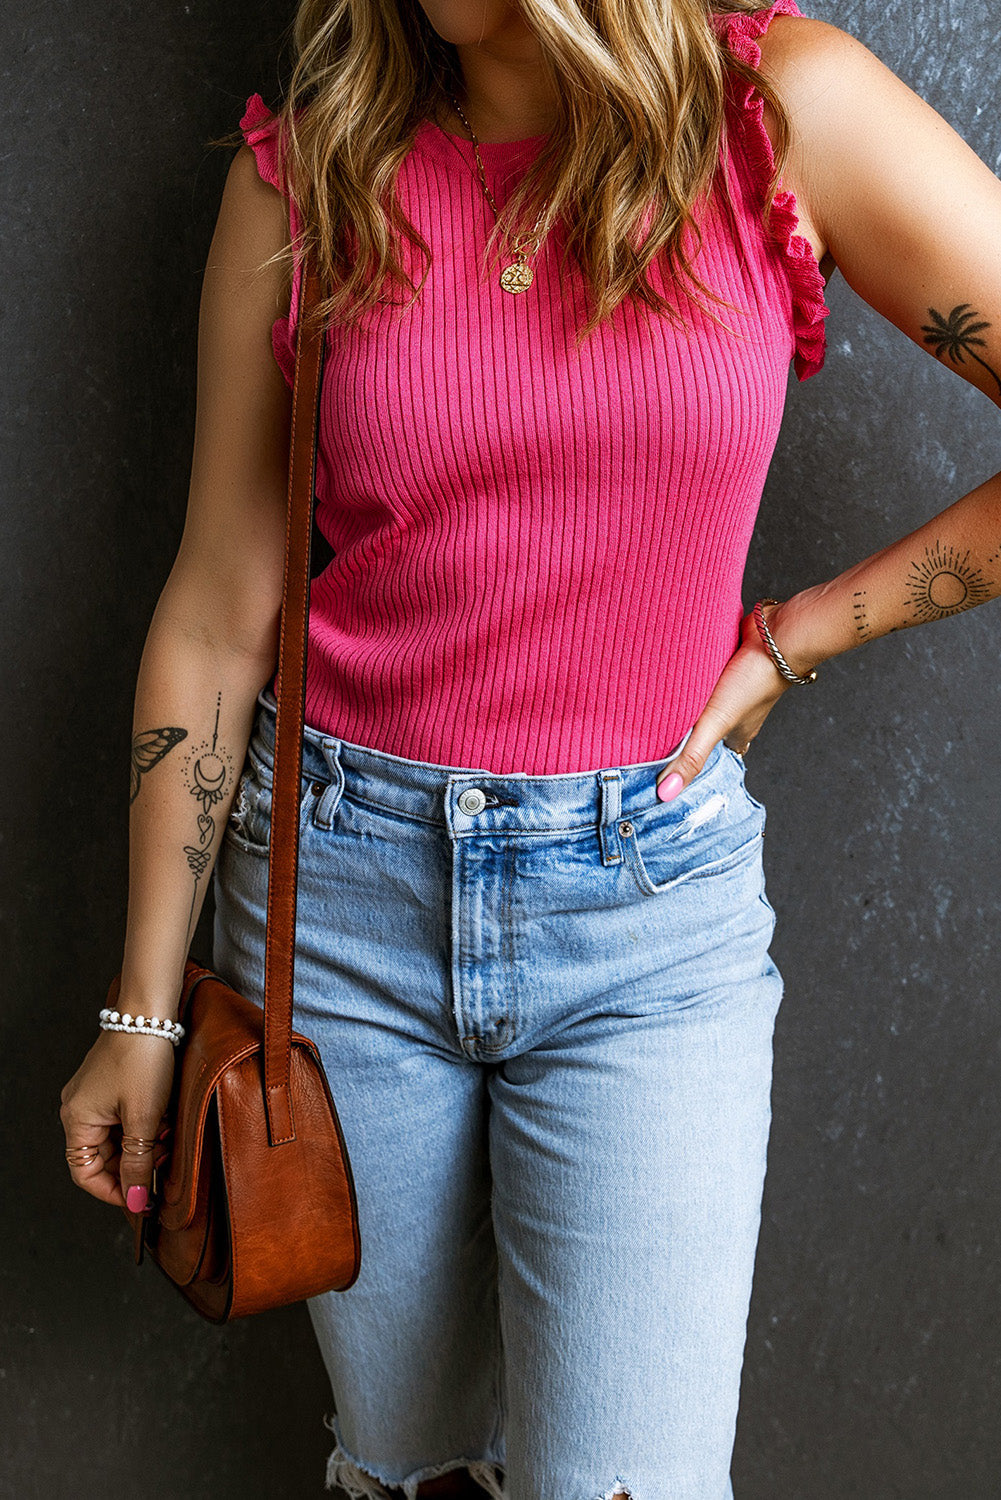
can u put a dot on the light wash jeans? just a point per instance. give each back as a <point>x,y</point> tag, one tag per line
<point>545,1006</point>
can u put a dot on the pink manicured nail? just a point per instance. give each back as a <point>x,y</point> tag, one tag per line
<point>670,786</point>
<point>136,1198</point>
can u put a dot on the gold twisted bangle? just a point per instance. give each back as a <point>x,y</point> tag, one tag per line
<point>773,650</point>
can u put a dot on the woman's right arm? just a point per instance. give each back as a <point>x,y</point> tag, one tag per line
<point>211,646</point>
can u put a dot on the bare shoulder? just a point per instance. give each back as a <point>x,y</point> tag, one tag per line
<point>252,226</point>
<point>245,183</point>
<point>800,41</point>
<point>898,200</point>
<point>228,573</point>
<point>810,62</point>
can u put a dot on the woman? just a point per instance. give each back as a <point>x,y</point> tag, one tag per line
<point>533,934</point>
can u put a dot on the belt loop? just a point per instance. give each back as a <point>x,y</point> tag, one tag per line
<point>608,823</point>
<point>326,808</point>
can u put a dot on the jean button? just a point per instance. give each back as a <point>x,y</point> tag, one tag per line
<point>472,800</point>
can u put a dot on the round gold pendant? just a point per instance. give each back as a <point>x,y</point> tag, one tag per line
<point>517,277</point>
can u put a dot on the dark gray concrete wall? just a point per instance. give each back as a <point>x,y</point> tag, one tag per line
<point>872,1369</point>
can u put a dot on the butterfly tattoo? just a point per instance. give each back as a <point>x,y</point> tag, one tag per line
<point>149,747</point>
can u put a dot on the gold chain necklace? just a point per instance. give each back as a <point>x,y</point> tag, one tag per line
<point>518,275</point>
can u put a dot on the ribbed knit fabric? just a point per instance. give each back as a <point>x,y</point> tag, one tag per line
<point>539,548</point>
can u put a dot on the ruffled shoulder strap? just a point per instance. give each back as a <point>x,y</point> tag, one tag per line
<point>741,29</point>
<point>259,127</point>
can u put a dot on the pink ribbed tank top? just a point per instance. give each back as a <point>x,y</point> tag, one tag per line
<point>538,548</point>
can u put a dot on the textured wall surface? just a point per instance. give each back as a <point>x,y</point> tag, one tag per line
<point>872,1370</point>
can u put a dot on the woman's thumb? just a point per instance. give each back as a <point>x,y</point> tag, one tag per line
<point>135,1172</point>
<point>682,768</point>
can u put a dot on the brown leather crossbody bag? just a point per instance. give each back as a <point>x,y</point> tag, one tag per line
<point>255,1206</point>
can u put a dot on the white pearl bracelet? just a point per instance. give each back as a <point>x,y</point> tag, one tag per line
<point>113,1020</point>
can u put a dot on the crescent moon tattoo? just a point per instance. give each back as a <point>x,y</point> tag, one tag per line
<point>210,775</point>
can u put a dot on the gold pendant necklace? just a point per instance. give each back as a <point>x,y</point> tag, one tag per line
<point>518,275</point>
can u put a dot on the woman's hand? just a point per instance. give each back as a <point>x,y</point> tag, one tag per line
<point>121,1088</point>
<point>746,691</point>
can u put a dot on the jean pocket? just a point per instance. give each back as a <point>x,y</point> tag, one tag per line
<point>720,831</point>
<point>739,765</point>
<point>248,826</point>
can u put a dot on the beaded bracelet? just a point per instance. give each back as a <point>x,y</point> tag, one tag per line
<point>773,650</point>
<point>113,1020</point>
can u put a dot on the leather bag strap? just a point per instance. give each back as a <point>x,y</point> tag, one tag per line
<point>290,692</point>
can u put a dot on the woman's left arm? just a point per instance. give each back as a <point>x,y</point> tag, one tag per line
<point>911,217</point>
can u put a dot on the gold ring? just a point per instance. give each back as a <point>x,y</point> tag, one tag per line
<point>82,1156</point>
<point>137,1145</point>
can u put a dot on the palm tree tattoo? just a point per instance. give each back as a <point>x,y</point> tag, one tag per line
<point>955,336</point>
<point>210,773</point>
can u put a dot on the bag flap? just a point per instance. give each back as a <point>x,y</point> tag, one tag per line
<point>221,1026</point>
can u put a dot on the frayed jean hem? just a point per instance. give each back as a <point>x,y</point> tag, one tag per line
<point>359,1481</point>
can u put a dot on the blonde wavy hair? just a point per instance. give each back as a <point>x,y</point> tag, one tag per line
<point>640,116</point>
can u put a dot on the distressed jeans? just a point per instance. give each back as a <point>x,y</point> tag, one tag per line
<point>545,1006</point>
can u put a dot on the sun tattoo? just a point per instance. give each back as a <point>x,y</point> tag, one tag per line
<point>210,775</point>
<point>954,336</point>
<point>943,583</point>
